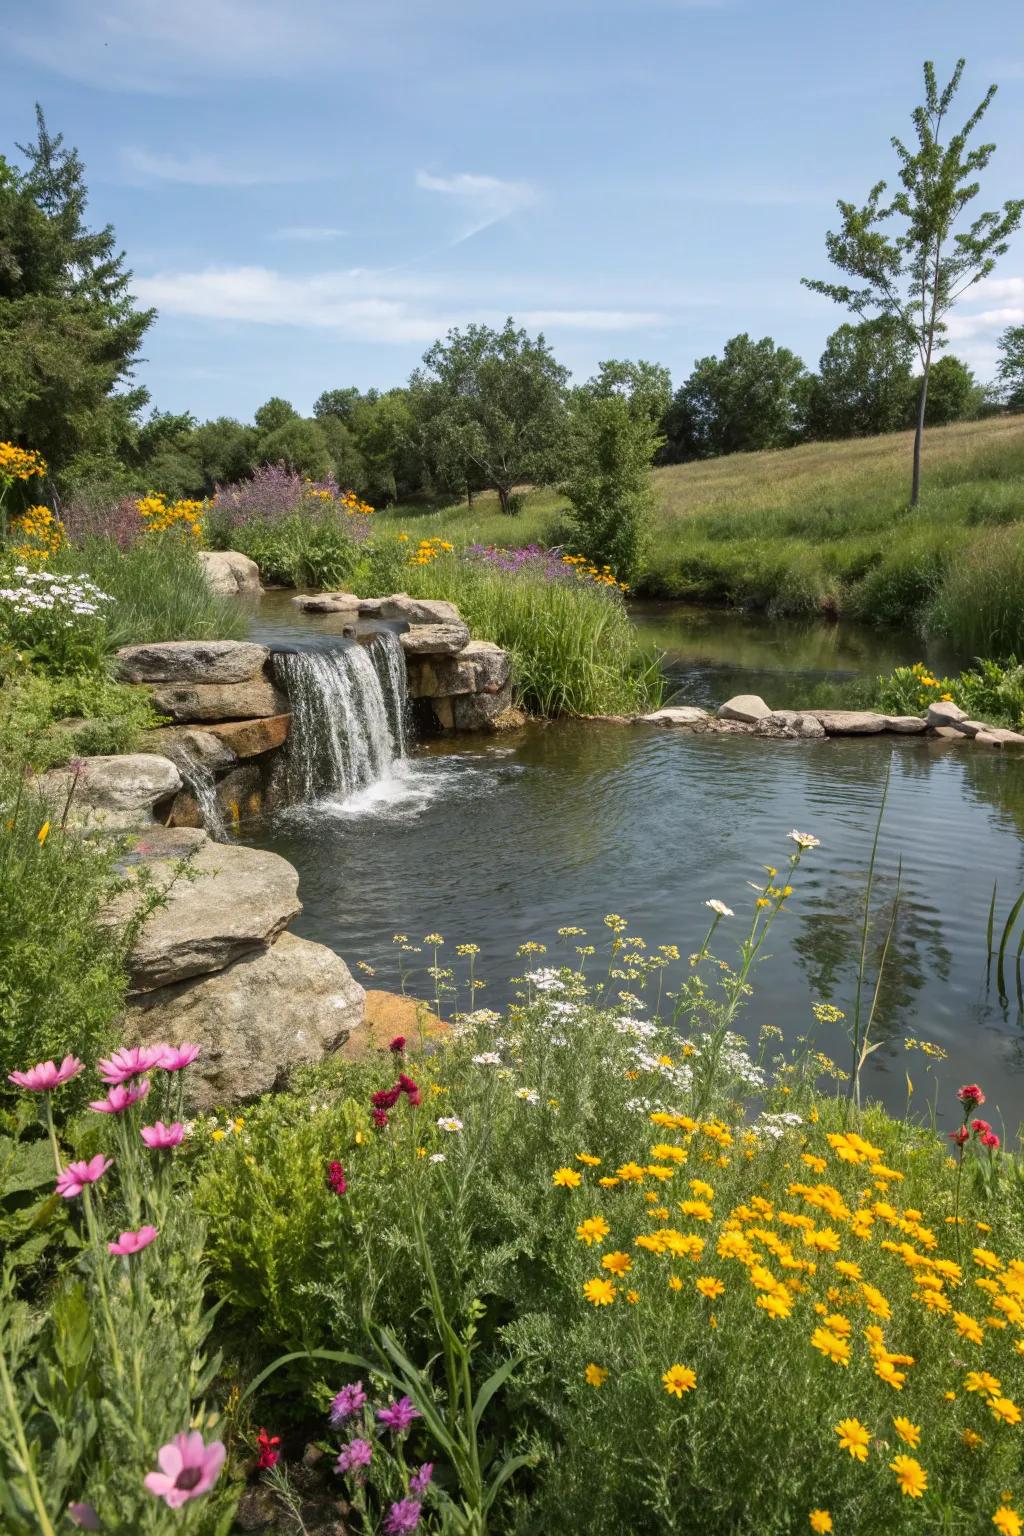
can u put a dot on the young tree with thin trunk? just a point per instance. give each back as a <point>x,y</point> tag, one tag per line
<point>917,274</point>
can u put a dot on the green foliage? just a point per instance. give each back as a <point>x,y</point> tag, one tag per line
<point>48,719</point>
<point>612,441</point>
<point>953,394</point>
<point>980,605</point>
<point>61,625</point>
<point>1010,369</point>
<point>990,691</point>
<point>863,383</point>
<point>159,591</point>
<point>301,445</point>
<point>307,549</point>
<point>751,397</point>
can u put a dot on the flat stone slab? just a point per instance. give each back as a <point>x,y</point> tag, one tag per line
<point>747,708</point>
<point>192,661</point>
<point>229,573</point>
<point>945,713</point>
<point>849,722</point>
<point>256,699</point>
<point>111,792</point>
<point>248,738</point>
<point>949,733</point>
<point>328,602</point>
<point>686,715</point>
<point>906,725</point>
<point>790,725</point>
<point>993,736</point>
<point>435,639</point>
<point>233,900</point>
<point>258,1019</point>
<point>191,742</point>
<point>417,610</point>
<point>969,727</point>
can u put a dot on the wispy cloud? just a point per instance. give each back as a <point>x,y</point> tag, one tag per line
<point>310,234</point>
<point>204,170</point>
<point>974,327</point>
<point>483,200</point>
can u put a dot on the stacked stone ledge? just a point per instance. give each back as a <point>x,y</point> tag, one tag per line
<point>750,715</point>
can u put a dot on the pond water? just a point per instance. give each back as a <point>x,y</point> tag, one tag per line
<point>497,841</point>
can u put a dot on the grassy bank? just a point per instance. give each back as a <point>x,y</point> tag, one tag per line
<point>825,528</point>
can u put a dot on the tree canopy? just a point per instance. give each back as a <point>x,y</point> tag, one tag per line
<point>751,397</point>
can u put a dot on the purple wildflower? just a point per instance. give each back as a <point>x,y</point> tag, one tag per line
<point>354,1456</point>
<point>403,1517</point>
<point>347,1402</point>
<point>420,1481</point>
<point>398,1417</point>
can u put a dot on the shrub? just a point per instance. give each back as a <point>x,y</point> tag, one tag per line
<point>61,622</point>
<point>989,691</point>
<point>46,719</point>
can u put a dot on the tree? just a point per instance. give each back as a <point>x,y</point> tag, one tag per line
<point>494,402</point>
<point>915,276</point>
<point>337,402</point>
<point>647,386</point>
<point>953,393</point>
<point>273,414</point>
<point>863,384</point>
<point>70,332</point>
<point>386,437</point>
<point>299,443</point>
<point>346,461</point>
<point>751,397</point>
<point>1010,369</point>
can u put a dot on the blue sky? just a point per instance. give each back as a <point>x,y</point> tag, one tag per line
<point>310,191</point>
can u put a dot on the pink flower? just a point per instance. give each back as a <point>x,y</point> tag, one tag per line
<point>84,1516</point>
<point>129,1062</point>
<point>960,1136</point>
<point>990,1140</point>
<point>132,1242</point>
<point>397,1045</point>
<point>121,1096</point>
<point>970,1096</point>
<point>174,1057</point>
<point>380,1119</point>
<point>45,1077</point>
<point>386,1098</point>
<point>420,1481</point>
<point>160,1136</point>
<point>403,1517</point>
<point>336,1180</point>
<point>267,1447</point>
<point>73,1179</point>
<point>410,1089</point>
<point>979,1127</point>
<point>188,1468</point>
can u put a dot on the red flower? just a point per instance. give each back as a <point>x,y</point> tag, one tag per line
<point>267,1447</point>
<point>970,1096</point>
<point>397,1045</point>
<point>979,1127</point>
<point>380,1118</point>
<point>386,1098</point>
<point>990,1140</point>
<point>960,1136</point>
<point>410,1089</point>
<point>336,1178</point>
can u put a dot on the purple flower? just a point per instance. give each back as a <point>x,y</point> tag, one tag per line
<point>84,1516</point>
<point>398,1417</point>
<point>347,1402</point>
<point>174,1057</point>
<point>420,1481</point>
<point>403,1517</point>
<point>73,1179</point>
<point>354,1456</point>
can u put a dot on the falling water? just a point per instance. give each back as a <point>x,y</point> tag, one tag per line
<point>348,708</point>
<point>200,782</point>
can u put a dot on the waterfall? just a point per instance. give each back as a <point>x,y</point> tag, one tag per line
<point>200,782</point>
<point>349,710</point>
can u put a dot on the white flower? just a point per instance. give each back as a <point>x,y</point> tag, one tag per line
<point>449,1123</point>
<point>436,1157</point>
<point>720,907</point>
<point>528,1095</point>
<point>487,1059</point>
<point>804,839</point>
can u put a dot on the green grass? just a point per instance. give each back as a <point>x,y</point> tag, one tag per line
<point>159,589</point>
<point>824,528</point>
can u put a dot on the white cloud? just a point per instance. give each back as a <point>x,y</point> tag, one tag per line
<point>203,170</point>
<point>311,234</point>
<point>485,200</point>
<point>590,319</point>
<point>973,331</point>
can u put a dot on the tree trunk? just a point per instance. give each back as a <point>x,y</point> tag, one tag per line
<point>469,495</point>
<point>504,497</point>
<point>915,489</point>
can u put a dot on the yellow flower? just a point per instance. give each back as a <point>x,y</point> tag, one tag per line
<point>588,1161</point>
<point>909,1433</point>
<point>218,1135</point>
<point>698,1209</point>
<point>775,1304</point>
<point>674,1283</point>
<point>679,1379</point>
<point>566,1178</point>
<point>831,1346</point>
<point>968,1328</point>
<point>618,1263</point>
<point>1007,1521</point>
<point>631,1172</point>
<point>1004,1409</point>
<point>43,833</point>
<point>594,1230</point>
<point>709,1286</point>
<point>853,1437</point>
<point>607,1183</point>
<point>982,1381</point>
<point>911,1476</point>
<point>595,1375</point>
<point>820,1521</point>
<point>971,1440</point>
<point>986,1259</point>
<point>632,1297</point>
<point>599,1292</point>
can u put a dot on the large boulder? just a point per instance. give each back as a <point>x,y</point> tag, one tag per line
<point>477,711</point>
<point>687,715</point>
<point>110,792</point>
<point>492,667</point>
<point>415,610</point>
<point>747,708</point>
<point>945,712</point>
<point>271,1011</point>
<point>230,574</point>
<point>439,677</point>
<point>445,639</point>
<point>906,725</point>
<point>187,744</point>
<point>229,900</point>
<point>256,699</point>
<point>192,661</point>
<point>790,725</point>
<point>328,602</point>
<point>849,722</point>
<point>248,738</point>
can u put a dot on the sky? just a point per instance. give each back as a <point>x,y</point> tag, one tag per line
<point>311,191</point>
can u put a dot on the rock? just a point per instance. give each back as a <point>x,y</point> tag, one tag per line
<point>987,739</point>
<point>192,661</point>
<point>476,711</point>
<point>415,610</point>
<point>731,727</point>
<point>257,1019</point>
<point>248,738</point>
<point>492,666</point>
<point>949,733</point>
<point>187,741</point>
<point>254,700</point>
<point>969,727</point>
<point>510,719</point>
<point>849,722</point>
<point>747,708</point>
<point>158,843</point>
<point>233,899</point>
<point>328,602</point>
<point>439,677</point>
<point>790,725</point>
<point>435,639</point>
<point>687,715</point>
<point>389,1014</point>
<point>906,725</point>
<point>111,792</point>
<point>945,713</point>
<point>229,573</point>
<point>1001,737</point>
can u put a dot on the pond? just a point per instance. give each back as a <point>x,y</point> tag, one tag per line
<point>495,841</point>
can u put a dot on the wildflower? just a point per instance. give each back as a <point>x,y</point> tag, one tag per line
<point>909,1433</point>
<point>720,908</point>
<point>84,1516</point>
<point>378,1116</point>
<point>853,1437</point>
<point>410,1089</point>
<point>350,1400</point>
<point>971,1439</point>
<point>588,1161</point>
<point>126,1063</point>
<point>421,1479</point>
<point>986,1259</point>
<point>595,1375</point>
<point>820,1521</point>
<point>188,1469</point>
<point>73,1179</point>
<point>968,1328</point>
<point>910,1475</point>
<point>121,1097</point>
<point>1005,1410</point>
<point>990,1140</point>
<point>618,1264</point>
<point>774,1303</point>
<point>679,1379</point>
<point>432,938</point>
<point>566,1178</point>
<point>46,1076</point>
<point>132,1242</point>
<point>958,1138</point>
<point>268,1454</point>
<point>593,1230</point>
<point>160,1137</point>
<point>804,840</point>
<point>398,1416</point>
<point>674,1283</point>
<point>336,1181</point>
<point>709,1286</point>
<point>174,1057</point>
<point>632,1297</point>
<point>599,1292</point>
<point>450,1123</point>
<point>1007,1521</point>
<point>403,1517</point>
<point>354,1457</point>
<point>970,1096</point>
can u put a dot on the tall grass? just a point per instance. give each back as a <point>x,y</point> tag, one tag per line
<point>159,589</point>
<point>980,603</point>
